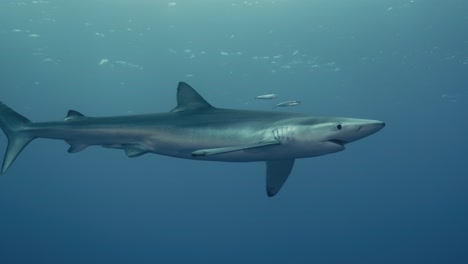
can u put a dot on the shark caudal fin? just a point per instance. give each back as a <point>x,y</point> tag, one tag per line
<point>15,127</point>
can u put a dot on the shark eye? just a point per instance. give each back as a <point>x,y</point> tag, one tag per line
<point>339,126</point>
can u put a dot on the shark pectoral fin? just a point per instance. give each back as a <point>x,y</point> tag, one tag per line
<point>216,151</point>
<point>277,173</point>
<point>133,151</point>
<point>76,148</point>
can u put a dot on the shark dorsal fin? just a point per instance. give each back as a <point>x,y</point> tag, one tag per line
<point>189,99</point>
<point>72,114</point>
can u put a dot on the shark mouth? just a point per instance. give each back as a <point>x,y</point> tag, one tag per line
<point>338,142</point>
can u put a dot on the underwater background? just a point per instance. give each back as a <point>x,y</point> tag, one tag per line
<point>399,196</point>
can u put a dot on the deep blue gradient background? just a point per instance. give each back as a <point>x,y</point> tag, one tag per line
<point>396,197</point>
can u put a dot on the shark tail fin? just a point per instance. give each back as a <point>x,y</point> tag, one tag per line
<point>15,127</point>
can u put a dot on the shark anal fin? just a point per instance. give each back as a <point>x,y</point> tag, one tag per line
<point>216,151</point>
<point>76,147</point>
<point>72,114</point>
<point>134,151</point>
<point>277,173</point>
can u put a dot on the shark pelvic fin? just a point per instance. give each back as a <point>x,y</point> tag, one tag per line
<point>72,114</point>
<point>216,151</point>
<point>277,173</point>
<point>189,99</point>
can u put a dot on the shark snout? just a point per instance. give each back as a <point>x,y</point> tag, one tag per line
<point>372,126</point>
<point>369,127</point>
<point>360,128</point>
<point>377,125</point>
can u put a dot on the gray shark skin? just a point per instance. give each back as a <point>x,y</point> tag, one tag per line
<point>196,130</point>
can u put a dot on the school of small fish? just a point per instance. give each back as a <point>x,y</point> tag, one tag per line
<point>282,104</point>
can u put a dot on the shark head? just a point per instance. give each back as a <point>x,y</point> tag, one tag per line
<point>342,131</point>
<point>324,135</point>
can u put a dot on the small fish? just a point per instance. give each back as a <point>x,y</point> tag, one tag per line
<point>266,96</point>
<point>287,104</point>
<point>103,61</point>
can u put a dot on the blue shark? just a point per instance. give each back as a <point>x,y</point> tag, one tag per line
<point>196,130</point>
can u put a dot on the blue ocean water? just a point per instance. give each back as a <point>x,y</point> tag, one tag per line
<point>398,196</point>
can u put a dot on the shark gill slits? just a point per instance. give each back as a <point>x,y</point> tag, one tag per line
<point>282,134</point>
<point>276,134</point>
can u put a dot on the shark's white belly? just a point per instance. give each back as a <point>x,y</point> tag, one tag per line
<point>182,144</point>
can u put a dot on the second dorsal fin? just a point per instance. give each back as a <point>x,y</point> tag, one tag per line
<point>189,99</point>
<point>72,114</point>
